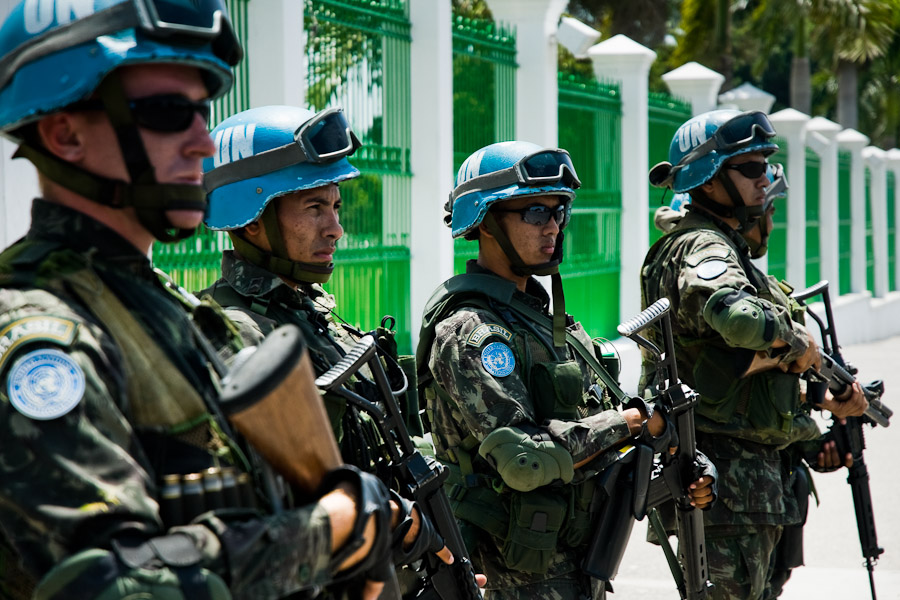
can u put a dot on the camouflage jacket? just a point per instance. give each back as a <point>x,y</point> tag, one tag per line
<point>470,398</point>
<point>81,461</point>
<point>743,423</point>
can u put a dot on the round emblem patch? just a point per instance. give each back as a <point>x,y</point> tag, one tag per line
<point>498,359</point>
<point>45,384</point>
<point>711,269</point>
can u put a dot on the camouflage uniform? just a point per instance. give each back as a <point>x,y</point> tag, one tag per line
<point>465,403</point>
<point>744,425</point>
<point>86,478</point>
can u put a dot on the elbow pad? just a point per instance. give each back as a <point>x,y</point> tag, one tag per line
<point>743,320</point>
<point>525,463</point>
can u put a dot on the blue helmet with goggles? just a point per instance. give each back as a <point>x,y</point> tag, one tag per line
<point>504,171</point>
<point>267,152</point>
<point>61,55</point>
<point>701,148</point>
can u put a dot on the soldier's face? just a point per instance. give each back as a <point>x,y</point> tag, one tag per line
<point>752,190</point>
<point>310,224</point>
<point>534,243</point>
<point>176,156</point>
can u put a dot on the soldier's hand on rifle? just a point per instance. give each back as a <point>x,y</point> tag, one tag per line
<point>701,492</point>
<point>643,418</point>
<point>809,359</point>
<point>829,460</point>
<point>413,534</point>
<point>852,403</point>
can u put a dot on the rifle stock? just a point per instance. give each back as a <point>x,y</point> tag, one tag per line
<point>677,471</point>
<point>849,438</point>
<point>419,479</point>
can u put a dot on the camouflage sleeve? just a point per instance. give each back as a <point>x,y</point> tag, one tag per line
<point>486,401</point>
<point>716,295</point>
<point>72,472</point>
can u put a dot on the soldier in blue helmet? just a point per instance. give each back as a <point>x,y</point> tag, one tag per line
<point>108,406</point>
<point>752,423</point>
<point>273,185</point>
<point>523,411</point>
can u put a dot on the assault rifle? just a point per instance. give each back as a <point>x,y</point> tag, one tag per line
<point>420,479</point>
<point>674,472</point>
<point>837,375</point>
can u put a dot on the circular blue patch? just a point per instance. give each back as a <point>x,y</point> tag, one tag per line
<point>498,359</point>
<point>45,384</point>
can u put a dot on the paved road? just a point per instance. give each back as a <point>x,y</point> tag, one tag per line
<point>833,559</point>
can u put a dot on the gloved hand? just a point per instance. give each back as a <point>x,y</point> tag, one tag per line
<point>525,463</point>
<point>706,471</point>
<point>427,539</point>
<point>668,438</point>
<point>372,500</point>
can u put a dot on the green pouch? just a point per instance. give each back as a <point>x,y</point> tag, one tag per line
<point>774,402</point>
<point>556,389</point>
<point>718,384</point>
<point>578,526</point>
<point>535,520</point>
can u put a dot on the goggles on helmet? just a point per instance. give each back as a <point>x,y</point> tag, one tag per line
<point>325,138</point>
<point>736,132</point>
<point>546,166</point>
<point>204,21</point>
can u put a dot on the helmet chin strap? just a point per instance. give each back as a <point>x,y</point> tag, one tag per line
<point>759,248</point>
<point>277,260</point>
<point>551,267</point>
<point>144,193</point>
<point>747,216</point>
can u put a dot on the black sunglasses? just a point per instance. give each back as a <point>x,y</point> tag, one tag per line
<point>539,214</point>
<point>750,170</point>
<point>164,112</point>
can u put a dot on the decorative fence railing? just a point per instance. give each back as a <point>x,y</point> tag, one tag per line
<point>844,221</point>
<point>666,114</point>
<point>892,230</point>
<point>484,97</point>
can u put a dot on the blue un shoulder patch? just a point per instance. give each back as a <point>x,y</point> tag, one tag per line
<point>45,384</point>
<point>498,359</point>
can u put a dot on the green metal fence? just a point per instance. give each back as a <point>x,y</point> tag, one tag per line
<point>813,241</point>
<point>590,115</point>
<point>777,253</point>
<point>844,263</point>
<point>870,237</point>
<point>484,97</point>
<point>194,263</point>
<point>358,57</point>
<point>892,231</point>
<point>666,114</point>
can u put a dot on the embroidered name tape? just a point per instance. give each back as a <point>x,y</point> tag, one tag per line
<point>35,329</point>
<point>484,331</point>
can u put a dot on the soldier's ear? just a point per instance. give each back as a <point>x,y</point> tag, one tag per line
<point>58,133</point>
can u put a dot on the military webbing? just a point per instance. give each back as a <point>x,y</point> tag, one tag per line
<point>160,395</point>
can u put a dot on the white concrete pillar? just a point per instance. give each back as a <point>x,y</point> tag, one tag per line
<point>431,155</point>
<point>627,62</point>
<point>893,162</point>
<point>854,142</point>
<point>277,38</point>
<point>747,97</point>
<point>791,124</point>
<point>18,179</point>
<point>696,83</point>
<point>876,161</point>
<point>820,137</point>
<point>536,52</point>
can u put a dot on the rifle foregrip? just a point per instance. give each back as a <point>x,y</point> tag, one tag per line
<point>646,317</point>
<point>348,365</point>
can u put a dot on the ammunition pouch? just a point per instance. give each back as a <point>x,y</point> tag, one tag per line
<point>556,389</point>
<point>789,553</point>
<point>535,521</point>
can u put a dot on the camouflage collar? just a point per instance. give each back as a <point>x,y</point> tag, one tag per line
<point>252,281</point>
<point>75,230</point>
<point>534,295</point>
<point>696,219</point>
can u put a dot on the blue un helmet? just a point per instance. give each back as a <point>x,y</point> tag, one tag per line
<point>508,170</point>
<point>702,146</point>
<point>267,152</point>
<point>59,54</point>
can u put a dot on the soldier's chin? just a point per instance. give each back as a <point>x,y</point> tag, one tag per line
<point>184,219</point>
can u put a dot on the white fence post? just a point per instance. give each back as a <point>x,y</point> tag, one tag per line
<point>431,155</point>
<point>536,52</point>
<point>747,97</point>
<point>791,124</point>
<point>875,159</point>
<point>854,142</point>
<point>627,62</point>
<point>696,83</point>
<point>820,137</point>
<point>277,36</point>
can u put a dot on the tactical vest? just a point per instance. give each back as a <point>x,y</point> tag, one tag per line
<point>535,526</point>
<point>763,408</point>
<point>163,406</point>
